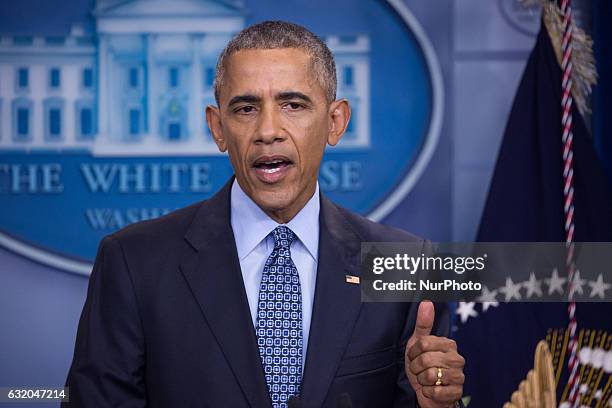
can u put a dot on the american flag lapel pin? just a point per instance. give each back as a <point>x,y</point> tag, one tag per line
<point>352,279</point>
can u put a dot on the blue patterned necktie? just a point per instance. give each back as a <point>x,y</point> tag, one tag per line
<point>279,320</point>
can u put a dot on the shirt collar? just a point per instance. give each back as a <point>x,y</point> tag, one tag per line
<point>251,225</point>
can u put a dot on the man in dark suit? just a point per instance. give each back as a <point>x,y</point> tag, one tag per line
<point>243,300</point>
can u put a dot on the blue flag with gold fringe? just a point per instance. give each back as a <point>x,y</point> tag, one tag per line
<point>525,204</point>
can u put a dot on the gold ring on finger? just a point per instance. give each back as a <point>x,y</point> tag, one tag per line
<point>439,377</point>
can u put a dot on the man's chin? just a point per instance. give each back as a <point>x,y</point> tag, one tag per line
<point>272,202</point>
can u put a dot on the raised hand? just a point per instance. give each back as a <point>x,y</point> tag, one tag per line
<point>433,365</point>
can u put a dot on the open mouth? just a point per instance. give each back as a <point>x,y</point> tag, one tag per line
<point>271,165</point>
<point>271,169</point>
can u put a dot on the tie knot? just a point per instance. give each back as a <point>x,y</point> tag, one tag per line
<point>283,237</point>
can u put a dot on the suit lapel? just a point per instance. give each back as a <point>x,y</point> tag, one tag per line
<point>336,303</point>
<point>213,273</point>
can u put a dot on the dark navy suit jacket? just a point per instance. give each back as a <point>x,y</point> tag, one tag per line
<point>166,321</point>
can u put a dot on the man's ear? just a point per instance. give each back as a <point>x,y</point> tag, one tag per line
<point>213,119</point>
<point>339,116</point>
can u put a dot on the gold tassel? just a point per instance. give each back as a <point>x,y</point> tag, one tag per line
<point>584,72</point>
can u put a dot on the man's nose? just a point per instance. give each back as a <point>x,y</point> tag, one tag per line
<point>269,129</point>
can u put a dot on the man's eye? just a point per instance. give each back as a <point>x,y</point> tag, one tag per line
<point>293,106</point>
<point>245,109</point>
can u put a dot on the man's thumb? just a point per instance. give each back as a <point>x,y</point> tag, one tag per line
<point>425,319</point>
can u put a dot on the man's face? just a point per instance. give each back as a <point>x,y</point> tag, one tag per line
<point>275,121</point>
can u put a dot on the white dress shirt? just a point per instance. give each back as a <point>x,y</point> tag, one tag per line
<point>252,228</point>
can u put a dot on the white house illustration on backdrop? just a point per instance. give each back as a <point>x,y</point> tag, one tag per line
<point>139,86</point>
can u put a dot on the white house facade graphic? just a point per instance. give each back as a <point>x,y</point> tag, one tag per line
<point>139,85</point>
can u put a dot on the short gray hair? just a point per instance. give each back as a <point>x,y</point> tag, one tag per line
<point>281,34</point>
